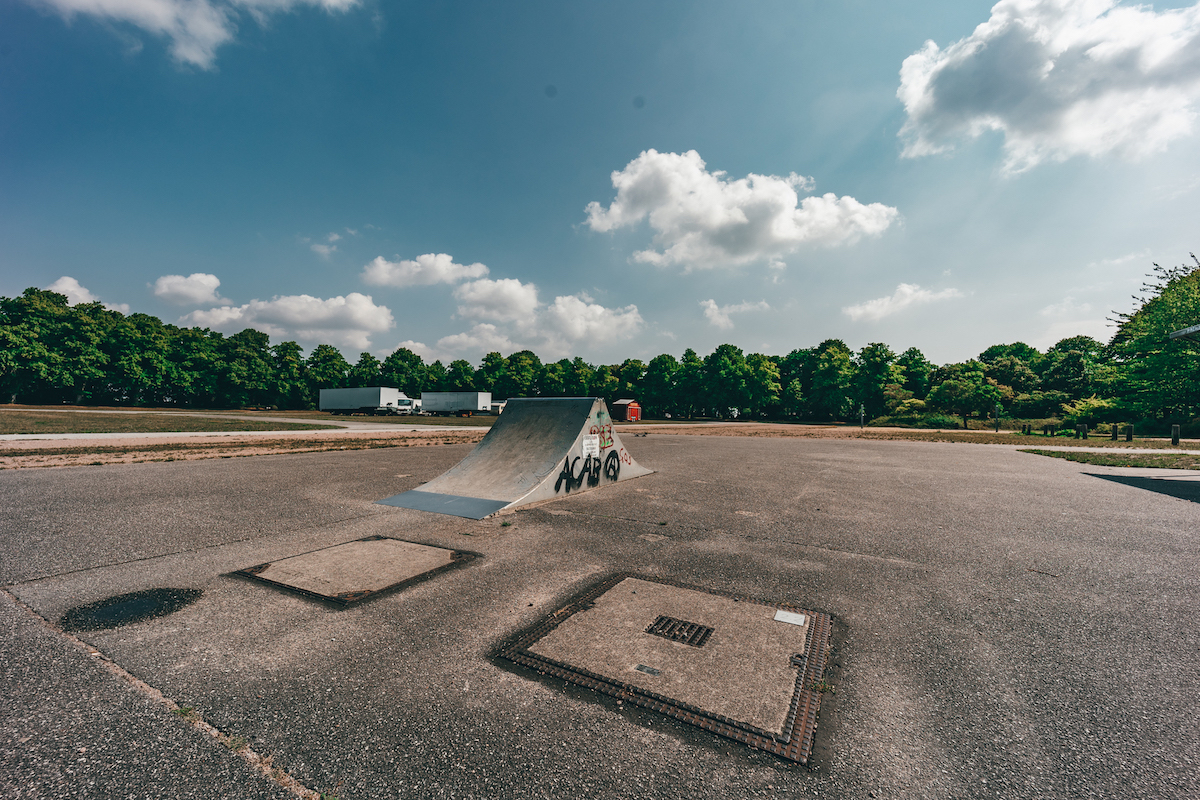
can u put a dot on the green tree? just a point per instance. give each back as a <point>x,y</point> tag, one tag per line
<point>762,383</point>
<point>606,383</point>
<point>830,393</point>
<point>460,377</point>
<point>325,368</point>
<point>658,386</point>
<point>247,375</point>
<point>725,380</point>
<point>874,369</point>
<point>793,399</point>
<point>578,380</point>
<point>366,372</point>
<point>1157,376</point>
<point>917,371</point>
<point>436,379</point>
<point>689,385</point>
<point>490,371</point>
<point>963,389</point>
<point>521,371</point>
<point>290,388</point>
<point>552,382</point>
<point>404,370</point>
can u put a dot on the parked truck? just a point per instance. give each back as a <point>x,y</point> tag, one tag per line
<point>462,404</point>
<point>366,400</point>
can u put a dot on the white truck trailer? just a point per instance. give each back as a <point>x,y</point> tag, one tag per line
<point>463,404</point>
<point>366,400</point>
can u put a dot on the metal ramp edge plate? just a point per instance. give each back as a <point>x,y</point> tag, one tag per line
<point>539,449</point>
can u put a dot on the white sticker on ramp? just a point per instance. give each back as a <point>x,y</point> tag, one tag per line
<point>591,445</point>
<point>788,616</point>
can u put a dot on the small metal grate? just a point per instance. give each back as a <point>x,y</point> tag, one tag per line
<point>678,630</point>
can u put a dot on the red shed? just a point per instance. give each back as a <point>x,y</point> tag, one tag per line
<point>626,411</point>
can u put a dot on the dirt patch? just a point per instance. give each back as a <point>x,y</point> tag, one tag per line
<point>78,453</point>
<point>782,430</point>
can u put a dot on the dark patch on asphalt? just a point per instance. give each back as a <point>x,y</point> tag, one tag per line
<point>1183,489</point>
<point>113,612</point>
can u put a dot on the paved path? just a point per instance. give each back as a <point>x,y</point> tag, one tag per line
<point>1009,626</point>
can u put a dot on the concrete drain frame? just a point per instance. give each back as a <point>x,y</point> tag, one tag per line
<point>456,558</point>
<point>793,743</point>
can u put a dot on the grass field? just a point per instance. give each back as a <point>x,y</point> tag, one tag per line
<point>1157,460</point>
<point>85,422</point>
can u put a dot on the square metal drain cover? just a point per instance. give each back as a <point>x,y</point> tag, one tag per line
<point>350,572</point>
<point>751,679</point>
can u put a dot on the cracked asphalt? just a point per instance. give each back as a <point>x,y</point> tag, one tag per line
<point>1006,626</point>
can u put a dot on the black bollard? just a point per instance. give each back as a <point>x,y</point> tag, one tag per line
<point>1174,434</point>
<point>1114,432</point>
<point>1129,433</point>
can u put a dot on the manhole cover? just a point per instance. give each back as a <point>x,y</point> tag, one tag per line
<point>350,572</point>
<point>127,608</point>
<point>736,666</point>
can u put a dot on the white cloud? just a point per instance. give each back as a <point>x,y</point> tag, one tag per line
<point>504,300</point>
<point>424,270</point>
<point>719,315</point>
<point>196,28</point>
<point>483,338</point>
<point>906,294</point>
<point>343,321</point>
<point>196,289</point>
<point>74,291</point>
<point>77,294</point>
<point>1067,308</point>
<point>1059,78</point>
<point>554,330</point>
<point>703,220</point>
<point>575,318</point>
<point>323,250</point>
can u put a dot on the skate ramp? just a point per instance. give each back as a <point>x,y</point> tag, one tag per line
<point>538,450</point>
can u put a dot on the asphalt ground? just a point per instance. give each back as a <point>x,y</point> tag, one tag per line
<point>1007,625</point>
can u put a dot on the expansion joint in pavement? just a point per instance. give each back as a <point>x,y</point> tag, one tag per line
<point>261,764</point>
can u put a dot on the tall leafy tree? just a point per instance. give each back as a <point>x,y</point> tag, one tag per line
<point>830,396</point>
<point>689,385</point>
<point>460,376</point>
<point>289,376</point>
<point>917,370</point>
<point>247,376</point>
<point>658,385</point>
<point>365,372</point>
<point>1158,376</point>
<point>521,370</point>
<point>762,383</point>
<point>725,380</point>
<point>325,368</point>
<point>964,389</point>
<point>491,369</point>
<point>404,370</point>
<point>875,368</point>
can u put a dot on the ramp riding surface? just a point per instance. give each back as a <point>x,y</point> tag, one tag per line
<point>539,449</point>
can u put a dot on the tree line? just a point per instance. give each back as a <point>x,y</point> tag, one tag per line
<point>52,352</point>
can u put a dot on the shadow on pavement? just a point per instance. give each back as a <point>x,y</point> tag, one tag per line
<point>1184,489</point>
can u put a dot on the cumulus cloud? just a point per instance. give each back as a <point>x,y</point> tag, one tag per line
<point>196,289</point>
<point>76,294</point>
<point>347,321</point>
<point>576,318</point>
<point>553,330</point>
<point>906,294</point>
<point>505,300</point>
<point>719,315</point>
<point>1059,78</point>
<point>195,28</point>
<point>703,220</point>
<point>423,270</point>
<point>324,250</point>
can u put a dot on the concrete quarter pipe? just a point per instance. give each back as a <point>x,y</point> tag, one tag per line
<point>539,449</point>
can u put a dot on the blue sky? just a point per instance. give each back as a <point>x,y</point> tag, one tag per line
<point>606,180</point>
